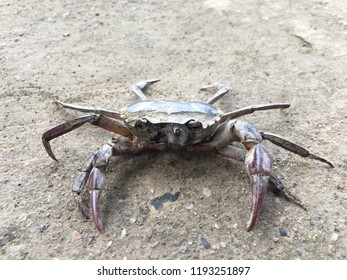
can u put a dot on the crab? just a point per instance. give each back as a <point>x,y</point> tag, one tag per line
<point>192,126</point>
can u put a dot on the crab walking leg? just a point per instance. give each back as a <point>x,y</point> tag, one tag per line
<point>292,147</point>
<point>97,120</point>
<point>221,91</point>
<point>139,87</point>
<point>252,109</point>
<point>91,109</point>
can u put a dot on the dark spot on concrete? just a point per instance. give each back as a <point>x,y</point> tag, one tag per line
<point>159,201</point>
<point>298,252</point>
<point>91,240</point>
<point>205,242</point>
<point>173,162</point>
<point>43,228</point>
<point>181,241</point>
<point>283,232</point>
<point>175,196</point>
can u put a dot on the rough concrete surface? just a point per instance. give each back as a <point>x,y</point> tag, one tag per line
<point>91,52</point>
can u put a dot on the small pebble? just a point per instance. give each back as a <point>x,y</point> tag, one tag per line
<point>206,192</point>
<point>148,233</point>
<point>76,235</point>
<point>109,243</point>
<point>123,233</point>
<point>189,206</point>
<point>331,249</point>
<point>334,236</point>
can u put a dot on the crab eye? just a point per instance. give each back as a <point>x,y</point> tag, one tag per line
<point>194,124</point>
<point>141,123</point>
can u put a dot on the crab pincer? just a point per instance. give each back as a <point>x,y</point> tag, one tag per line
<point>94,181</point>
<point>258,166</point>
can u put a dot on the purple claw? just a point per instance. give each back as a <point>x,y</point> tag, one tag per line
<point>259,183</point>
<point>94,198</point>
<point>94,183</point>
<point>259,167</point>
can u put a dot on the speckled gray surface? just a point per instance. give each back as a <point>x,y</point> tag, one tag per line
<point>89,52</point>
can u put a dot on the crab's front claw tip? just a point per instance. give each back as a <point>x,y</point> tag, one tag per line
<point>94,198</point>
<point>259,184</point>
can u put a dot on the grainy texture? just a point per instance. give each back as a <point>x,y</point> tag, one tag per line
<point>90,52</point>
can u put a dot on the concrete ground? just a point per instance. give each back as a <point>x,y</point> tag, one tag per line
<point>91,52</point>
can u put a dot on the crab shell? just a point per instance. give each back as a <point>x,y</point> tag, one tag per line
<point>172,122</point>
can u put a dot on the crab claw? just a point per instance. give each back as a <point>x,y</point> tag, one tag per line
<point>259,167</point>
<point>259,190</point>
<point>94,198</point>
<point>94,183</point>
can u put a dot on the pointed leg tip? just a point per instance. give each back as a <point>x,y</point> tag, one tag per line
<point>325,161</point>
<point>97,222</point>
<point>100,228</point>
<point>207,88</point>
<point>52,156</point>
<point>321,159</point>
<point>48,149</point>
